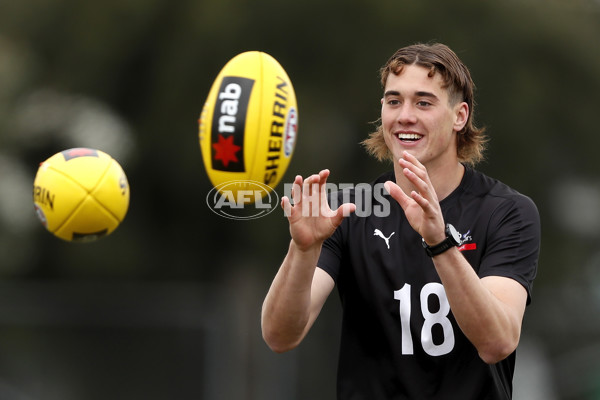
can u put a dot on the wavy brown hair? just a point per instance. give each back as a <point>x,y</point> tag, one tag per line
<point>438,58</point>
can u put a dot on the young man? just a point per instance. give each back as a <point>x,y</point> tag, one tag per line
<point>433,290</point>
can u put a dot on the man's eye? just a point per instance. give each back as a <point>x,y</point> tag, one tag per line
<point>423,103</point>
<point>393,102</point>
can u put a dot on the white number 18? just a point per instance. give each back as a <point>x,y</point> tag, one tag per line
<point>431,319</point>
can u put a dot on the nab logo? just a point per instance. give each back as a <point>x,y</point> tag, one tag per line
<point>228,124</point>
<point>242,200</point>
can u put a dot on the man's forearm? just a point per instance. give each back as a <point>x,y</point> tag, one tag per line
<point>489,311</point>
<point>287,307</point>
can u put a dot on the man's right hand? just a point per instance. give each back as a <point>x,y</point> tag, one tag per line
<point>310,217</point>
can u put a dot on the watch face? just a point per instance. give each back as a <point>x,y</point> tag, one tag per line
<point>453,233</point>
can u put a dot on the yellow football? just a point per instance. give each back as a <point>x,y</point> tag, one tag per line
<point>80,194</point>
<point>249,123</point>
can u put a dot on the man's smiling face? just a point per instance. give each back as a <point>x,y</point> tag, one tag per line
<point>417,116</point>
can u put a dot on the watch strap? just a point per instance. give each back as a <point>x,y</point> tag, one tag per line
<point>441,247</point>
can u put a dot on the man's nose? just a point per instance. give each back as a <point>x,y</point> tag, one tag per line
<point>406,114</point>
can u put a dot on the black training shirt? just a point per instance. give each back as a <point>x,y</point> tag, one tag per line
<point>399,339</point>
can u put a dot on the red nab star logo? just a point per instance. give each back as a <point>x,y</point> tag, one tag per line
<point>225,150</point>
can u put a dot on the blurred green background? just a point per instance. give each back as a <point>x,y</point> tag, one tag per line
<point>168,306</point>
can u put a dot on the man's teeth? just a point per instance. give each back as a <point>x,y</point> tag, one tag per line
<point>409,136</point>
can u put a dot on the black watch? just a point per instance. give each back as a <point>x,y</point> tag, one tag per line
<point>452,239</point>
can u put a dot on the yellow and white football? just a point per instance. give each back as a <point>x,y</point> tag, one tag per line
<point>249,122</point>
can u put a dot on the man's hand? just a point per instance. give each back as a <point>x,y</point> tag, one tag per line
<point>310,217</point>
<point>421,207</point>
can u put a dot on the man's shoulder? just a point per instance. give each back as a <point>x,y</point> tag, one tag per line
<point>485,186</point>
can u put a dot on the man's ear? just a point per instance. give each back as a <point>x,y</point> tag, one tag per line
<point>461,113</point>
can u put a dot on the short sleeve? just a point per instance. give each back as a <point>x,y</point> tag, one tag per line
<point>513,242</point>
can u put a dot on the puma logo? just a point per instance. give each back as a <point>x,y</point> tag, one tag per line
<point>381,235</point>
